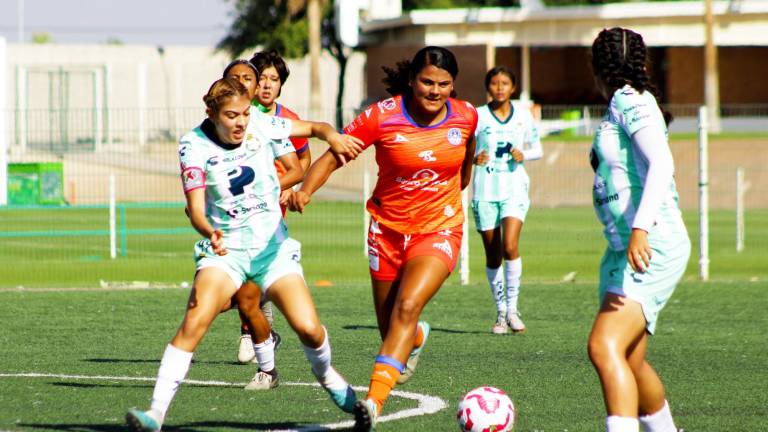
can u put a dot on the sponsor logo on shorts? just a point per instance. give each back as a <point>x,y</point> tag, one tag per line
<point>373,259</point>
<point>445,247</point>
<point>454,136</point>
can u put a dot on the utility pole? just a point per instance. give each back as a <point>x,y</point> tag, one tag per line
<point>313,14</point>
<point>711,77</point>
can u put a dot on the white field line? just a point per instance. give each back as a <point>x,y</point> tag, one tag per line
<point>427,404</point>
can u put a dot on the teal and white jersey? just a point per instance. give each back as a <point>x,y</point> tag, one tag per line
<point>242,189</point>
<point>494,180</point>
<point>621,169</point>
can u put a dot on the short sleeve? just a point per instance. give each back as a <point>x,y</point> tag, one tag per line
<point>273,127</point>
<point>192,165</point>
<point>365,126</point>
<point>282,147</point>
<point>633,110</point>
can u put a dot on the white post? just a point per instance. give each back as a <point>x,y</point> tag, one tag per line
<point>3,131</point>
<point>107,101</point>
<point>703,196</point>
<point>740,190</point>
<point>112,220</point>
<point>21,108</point>
<point>98,106</point>
<point>366,216</point>
<point>525,71</point>
<point>141,80</point>
<point>464,254</point>
<point>178,93</point>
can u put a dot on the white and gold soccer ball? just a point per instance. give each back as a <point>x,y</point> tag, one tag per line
<point>486,409</point>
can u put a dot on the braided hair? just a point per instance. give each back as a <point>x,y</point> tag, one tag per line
<point>619,57</point>
<point>398,78</point>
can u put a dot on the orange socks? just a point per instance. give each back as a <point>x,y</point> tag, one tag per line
<point>419,339</point>
<point>386,370</point>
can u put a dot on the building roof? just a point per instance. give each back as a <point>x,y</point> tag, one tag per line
<point>739,22</point>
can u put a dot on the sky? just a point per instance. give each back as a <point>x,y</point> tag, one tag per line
<point>153,22</point>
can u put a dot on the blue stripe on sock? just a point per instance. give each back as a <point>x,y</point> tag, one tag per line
<point>387,360</point>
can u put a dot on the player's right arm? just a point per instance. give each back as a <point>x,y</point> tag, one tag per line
<point>363,130</point>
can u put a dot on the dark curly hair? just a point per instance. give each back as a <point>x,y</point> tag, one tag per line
<point>620,57</point>
<point>398,78</point>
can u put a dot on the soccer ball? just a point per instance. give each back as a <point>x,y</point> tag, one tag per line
<point>486,409</point>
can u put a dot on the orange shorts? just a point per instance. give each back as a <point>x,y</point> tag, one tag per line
<point>388,250</point>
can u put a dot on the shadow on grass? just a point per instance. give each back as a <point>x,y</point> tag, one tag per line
<point>188,427</point>
<point>156,361</point>
<point>433,329</point>
<point>83,385</point>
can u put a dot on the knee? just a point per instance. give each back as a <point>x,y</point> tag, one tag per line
<point>310,333</point>
<point>599,351</point>
<point>511,252</point>
<point>408,310</point>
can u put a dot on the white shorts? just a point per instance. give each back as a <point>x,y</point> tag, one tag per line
<point>488,214</point>
<point>264,267</point>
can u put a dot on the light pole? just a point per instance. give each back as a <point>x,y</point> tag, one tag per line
<point>711,78</point>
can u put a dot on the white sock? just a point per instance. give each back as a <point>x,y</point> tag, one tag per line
<point>621,424</point>
<point>320,359</point>
<point>513,270</point>
<point>173,369</point>
<point>265,354</point>
<point>660,421</point>
<point>496,283</point>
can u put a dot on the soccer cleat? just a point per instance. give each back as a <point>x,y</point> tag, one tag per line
<point>263,381</point>
<point>515,323</point>
<point>500,326</point>
<point>344,398</point>
<point>245,352</point>
<point>142,421</point>
<point>366,413</point>
<point>413,358</point>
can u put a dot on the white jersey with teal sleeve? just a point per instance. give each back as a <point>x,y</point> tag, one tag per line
<point>494,180</point>
<point>621,169</point>
<point>242,189</point>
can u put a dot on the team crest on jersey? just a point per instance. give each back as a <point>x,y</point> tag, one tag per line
<point>454,136</point>
<point>387,105</point>
<point>449,211</point>
<point>252,143</point>
<point>445,247</point>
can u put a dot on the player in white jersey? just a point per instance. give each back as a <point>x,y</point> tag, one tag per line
<point>506,137</point>
<point>635,198</point>
<point>232,192</point>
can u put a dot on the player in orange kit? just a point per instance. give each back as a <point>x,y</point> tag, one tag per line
<point>424,140</point>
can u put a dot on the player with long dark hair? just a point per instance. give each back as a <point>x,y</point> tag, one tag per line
<point>424,140</point>
<point>635,198</point>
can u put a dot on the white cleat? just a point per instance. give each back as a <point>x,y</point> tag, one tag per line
<point>515,323</point>
<point>500,327</point>
<point>263,381</point>
<point>245,352</point>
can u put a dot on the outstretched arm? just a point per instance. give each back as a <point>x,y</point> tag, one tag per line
<point>343,145</point>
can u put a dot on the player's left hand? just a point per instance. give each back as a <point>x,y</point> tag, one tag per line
<point>285,197</point>
<point>345,146</point>
<point>638,250</point>
<point>517,155</point>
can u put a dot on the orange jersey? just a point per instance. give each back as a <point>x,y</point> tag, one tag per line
<point>419,184</point>
<point>299,144</point>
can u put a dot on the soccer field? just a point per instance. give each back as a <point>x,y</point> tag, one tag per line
<point>76,356</point>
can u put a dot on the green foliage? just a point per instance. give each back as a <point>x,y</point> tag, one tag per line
<point>42,38</point>
<point>268,24</point>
